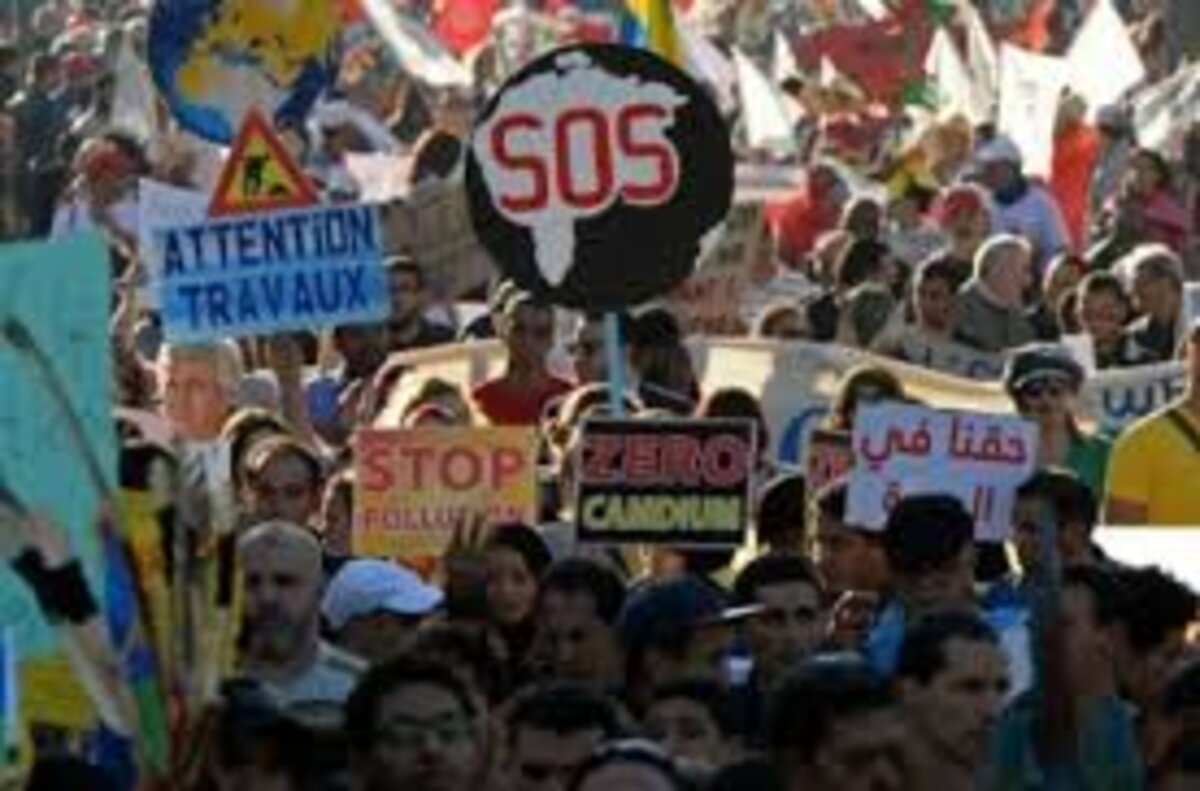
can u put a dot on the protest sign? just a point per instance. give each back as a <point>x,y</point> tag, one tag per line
<point>709,301</point>
<point>830,456</point>
<point>678,482</point>
<point>55,424</point>
<point>902,450</point>
<point>266,273</point>
<point>260,174</point>
<point>594,174</point>
<point>1030,88</point>
<point>162,206</point>
<point>213,62</point>
<point>414,487</point>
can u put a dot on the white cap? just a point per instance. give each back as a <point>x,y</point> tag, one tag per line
<point>998,149</point>
<point>367,586</point>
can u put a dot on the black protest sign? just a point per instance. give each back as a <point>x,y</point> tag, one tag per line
<point>594,173</point>
<point>673,482</point>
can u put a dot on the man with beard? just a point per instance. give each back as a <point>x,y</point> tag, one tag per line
<point>281,566</point>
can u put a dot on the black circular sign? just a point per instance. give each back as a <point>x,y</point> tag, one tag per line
<point>594,173</point>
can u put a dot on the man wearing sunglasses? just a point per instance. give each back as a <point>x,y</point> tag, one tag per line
<point>1043,381</point>
<point>1156,462</point>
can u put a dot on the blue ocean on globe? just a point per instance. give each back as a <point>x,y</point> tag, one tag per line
<point>214,60</point>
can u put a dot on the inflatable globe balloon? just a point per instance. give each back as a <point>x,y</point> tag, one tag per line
<point>215,60</point>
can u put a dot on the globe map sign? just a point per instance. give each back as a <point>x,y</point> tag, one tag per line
<point>215,60</point>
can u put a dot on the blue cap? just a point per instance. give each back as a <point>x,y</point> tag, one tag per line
<point>664,609</point>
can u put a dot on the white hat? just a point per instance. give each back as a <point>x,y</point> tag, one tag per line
<point>998,149</point>
<point>366,586</point>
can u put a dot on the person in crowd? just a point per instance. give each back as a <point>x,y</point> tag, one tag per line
<point>1043,380</point>
<point>551,731</point>
<point>847,558</point>
<point>933,571</point>
<point>990,314</point>
<point>415,724</point>
<point>781,321</point>
<point>866,383</point>
<point>910,235</point>
<point>951,679</point>
<point>515,557</point>
<point>867,311</point>
<point>1157,286</point>
<point>284,480</point>
<point>1116,140</point>
<point>1147,182</point>
<point>199,387</point>
<point>965,218</point>
<point>696,724</point>
<point>933,296</point>
<point>470,650</point>
<point>40,119</point>
<point>862,218</point>
<point>1103,311</point>
<point>628,764</point>
<point>1076,151</point>
<point>1156,611</point>
<point>577,618</point>
<point>281,569</point>
<point>408,327</point>
<point>1075,731</point>
<point>374,607</point>
<point>589,351</point>
<point>672,631</point>
<point>736,403</point>
<point>781,515</point>
<point>244,429</point>
<point>661,362</point>
<point>833,726</point>
<point>1153,456</point>
<point>788,626</point>
<point>519,396</point>
<point>1063,275</point>
<point>1172,734</point>
<point>1023,208</point>
<point>816,208</point>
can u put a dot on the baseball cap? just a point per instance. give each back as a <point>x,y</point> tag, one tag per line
<point>1040,361</point>
<point>661,610</point>
<point>367,586</point>
<point>998,149</point>
<point>1113,117</point>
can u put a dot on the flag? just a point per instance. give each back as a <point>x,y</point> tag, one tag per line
<point>1103,61</point>
<point>650,24</point>
<point>1030,87</point>
<point>768,122</point>
<point>953,84</point>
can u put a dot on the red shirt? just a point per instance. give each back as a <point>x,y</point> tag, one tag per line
<point>504,405</point>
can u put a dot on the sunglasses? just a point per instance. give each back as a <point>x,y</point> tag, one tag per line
<point>1039,389</point>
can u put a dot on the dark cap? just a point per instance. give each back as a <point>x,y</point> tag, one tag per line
<point>663,610</point>
<point>1040,361</point>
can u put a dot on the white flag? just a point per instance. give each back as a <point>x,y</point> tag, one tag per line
<point>415,48</point>
<point>783,59</point>
<point>1030,87</point>
<point>1103,61</point>
<point>709,65</point>
<point>768,122</point>
<point>956,91</point>
<point>981,55</point>
<point>1162,111</point>
<point>133,94</point>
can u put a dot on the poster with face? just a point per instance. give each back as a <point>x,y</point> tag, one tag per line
<point>595,172</point>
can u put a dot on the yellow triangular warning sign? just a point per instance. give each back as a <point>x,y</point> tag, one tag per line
<point>260,174</point>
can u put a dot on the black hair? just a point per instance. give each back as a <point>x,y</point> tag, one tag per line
<point>815,694</point>
<point>757,773</point>
<point>467,647</point>
<point>631,751</point>
<point>830,502</point>
<point>737,403</point>
<point>656,327</point>
<point>861,261</point>
<point>523,540</point>
<point>923,651</point>
<point>938,267</point>
<point>362,708</point>
<point>925,532</point>
<point>435,156</point>
<point>1103,587</point>
<point>1182,692</point>
<point>1103,282</point>
<point>710,696</point>
<point>563,708</point>
<point>408,265</point>
<point>581,575</point>
<point>781,509</point>
<point>1071,498</point>
<point>770,570</point>
<point>1155,604</point>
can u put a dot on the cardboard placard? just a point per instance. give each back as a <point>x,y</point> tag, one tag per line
<point>678,483</point>
<point>266,273</point>
<point>415,487</point>
<point>902,450</point>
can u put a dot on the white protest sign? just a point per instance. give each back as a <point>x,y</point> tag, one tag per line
<point>1030,87</point>
<point>1103,61</point>
<point>768,122</point>
<point>902,450</point>
<point>162,206</point>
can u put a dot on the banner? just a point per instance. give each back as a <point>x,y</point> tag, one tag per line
<point>1030,87</point>
<point>709,301</point>
<point>414,487</point>
<point>55,422</point>
<point>677,482</point>
<point>902,450</point>
<point>265,273</point>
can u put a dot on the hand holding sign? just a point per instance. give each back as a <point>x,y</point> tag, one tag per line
<point>585,150</point>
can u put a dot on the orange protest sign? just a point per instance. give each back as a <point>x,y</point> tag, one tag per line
<point>414,487</point>
<point>260,174</point>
